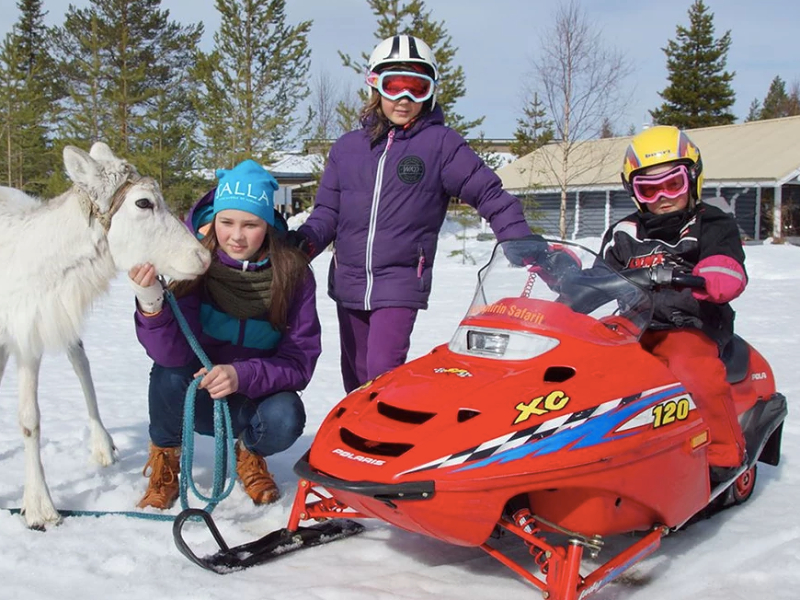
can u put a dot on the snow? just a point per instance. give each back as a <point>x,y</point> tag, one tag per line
<point>289,163</point>
<point>751,551</point>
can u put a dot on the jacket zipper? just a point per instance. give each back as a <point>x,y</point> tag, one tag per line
<point>420,268</point>
<point>373,219</point>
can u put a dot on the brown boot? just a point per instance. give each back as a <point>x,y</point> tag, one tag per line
<point>164,466</point>
<point>257,481</point>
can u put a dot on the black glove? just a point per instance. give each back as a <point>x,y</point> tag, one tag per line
<point>298,240</point>
<point>553,263</point>
<point>558,260</point>
<point>525,251</point>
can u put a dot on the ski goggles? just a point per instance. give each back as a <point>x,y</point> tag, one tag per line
<point>673,183</point>
<point>394,85</point>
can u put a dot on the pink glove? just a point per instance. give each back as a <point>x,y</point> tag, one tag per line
<point>725,279</point>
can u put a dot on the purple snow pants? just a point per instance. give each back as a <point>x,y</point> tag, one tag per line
<point>373,342</point>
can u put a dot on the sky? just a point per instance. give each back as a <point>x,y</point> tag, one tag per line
<point>751,551</point>
<point>498,40</point>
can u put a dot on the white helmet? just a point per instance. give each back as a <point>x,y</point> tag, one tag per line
<point>403,49</point>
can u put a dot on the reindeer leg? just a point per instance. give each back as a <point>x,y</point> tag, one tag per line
<point>36,501</point>
<point>102,446</point>
<point>3,360</point>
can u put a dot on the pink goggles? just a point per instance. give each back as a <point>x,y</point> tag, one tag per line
<point>394,85</point>
<point>650,188</point>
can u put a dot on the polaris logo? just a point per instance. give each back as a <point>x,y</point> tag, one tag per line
<point>758,376</point>
<point>358,457</point>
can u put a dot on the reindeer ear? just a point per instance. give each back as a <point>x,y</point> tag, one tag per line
<point>100,151</point>
<point>81,168</point>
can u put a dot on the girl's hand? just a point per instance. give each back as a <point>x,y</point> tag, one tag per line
<point>147,288</point>
<point>143,275</point>
<point>220,381</point>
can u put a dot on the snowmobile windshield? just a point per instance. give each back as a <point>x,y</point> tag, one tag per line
<point>534,292</point>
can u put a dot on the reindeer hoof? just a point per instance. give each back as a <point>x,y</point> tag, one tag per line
<point>105,457</point>
<point>42,520</point>
<point>104,450</point>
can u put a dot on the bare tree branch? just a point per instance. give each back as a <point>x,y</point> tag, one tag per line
<point>580,80</point>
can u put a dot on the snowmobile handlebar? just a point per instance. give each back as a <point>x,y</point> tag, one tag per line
<point>663,276</point>
<point>586,290</point>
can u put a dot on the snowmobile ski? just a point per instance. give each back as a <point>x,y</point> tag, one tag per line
<point>276,543</point>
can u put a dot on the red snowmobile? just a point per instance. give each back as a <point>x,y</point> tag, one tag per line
<point>542,418</point>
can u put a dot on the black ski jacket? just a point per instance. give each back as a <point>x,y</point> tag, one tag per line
<point>681,240</point>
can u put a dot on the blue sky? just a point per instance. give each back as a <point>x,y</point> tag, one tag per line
<point>498,39</point>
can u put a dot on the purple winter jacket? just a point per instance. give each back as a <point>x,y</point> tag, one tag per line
<point>384,205</point>
<point>287,366</point>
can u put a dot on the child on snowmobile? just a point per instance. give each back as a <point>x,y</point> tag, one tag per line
<point>254,314</point>
<point>663,172</point>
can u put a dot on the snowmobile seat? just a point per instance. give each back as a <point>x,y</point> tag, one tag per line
<point>736,356</point>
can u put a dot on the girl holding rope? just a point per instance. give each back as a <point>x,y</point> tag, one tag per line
<point>254,314</point>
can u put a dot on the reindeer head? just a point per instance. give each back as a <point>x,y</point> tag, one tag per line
<point>131,210</point>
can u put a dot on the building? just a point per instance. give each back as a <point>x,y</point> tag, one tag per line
<point>754,166</point>
<point>297,174</point>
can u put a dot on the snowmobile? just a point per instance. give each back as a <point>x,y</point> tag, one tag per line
<point>542,418</point>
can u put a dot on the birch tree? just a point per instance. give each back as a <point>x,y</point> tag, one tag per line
<point>580,80</point>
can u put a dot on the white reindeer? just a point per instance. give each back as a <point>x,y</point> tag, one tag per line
<point>55,259</point>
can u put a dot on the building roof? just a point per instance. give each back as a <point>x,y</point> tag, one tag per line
<point>759,152</point>
<point>289,164</point>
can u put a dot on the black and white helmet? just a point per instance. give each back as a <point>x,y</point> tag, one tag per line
<point>403,49</point>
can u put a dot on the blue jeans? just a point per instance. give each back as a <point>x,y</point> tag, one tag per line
<point>266,425</point>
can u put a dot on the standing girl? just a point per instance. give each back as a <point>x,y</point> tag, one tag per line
<point>254,315</point>
<point>383,198</point>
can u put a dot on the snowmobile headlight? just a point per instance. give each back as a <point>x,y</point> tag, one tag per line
<point>483,342</point>
<point>500,344</point>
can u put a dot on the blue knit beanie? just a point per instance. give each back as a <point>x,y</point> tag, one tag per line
<point>248,187</point>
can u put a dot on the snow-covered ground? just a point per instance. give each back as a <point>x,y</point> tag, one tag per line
<point>752,551</point>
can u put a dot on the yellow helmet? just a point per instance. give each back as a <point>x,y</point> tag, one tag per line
<point>659,145</point>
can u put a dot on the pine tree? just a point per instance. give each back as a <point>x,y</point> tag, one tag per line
<point>81,52</point>
<point>606,129</point>
<point>776,101</point>
<point>793,101</point>
<point>127,68</point>
<point>30,88</point>
<point>411,17</point>
<point>11,103</point>
<point>483,148</point>
<point>167,140</point>
<point>34,40</point>
<point>754,112</point>
<point>533,129</point>
<point>253,81</point>
<point>699,93</point>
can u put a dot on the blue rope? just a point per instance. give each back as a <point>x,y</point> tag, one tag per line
<point>223,442</point>
<point>223,430</point>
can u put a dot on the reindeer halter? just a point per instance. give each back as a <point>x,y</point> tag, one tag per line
<point>104,218</point>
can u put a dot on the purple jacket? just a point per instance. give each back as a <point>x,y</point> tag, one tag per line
<point>384,204</point>
<point>287,365</point>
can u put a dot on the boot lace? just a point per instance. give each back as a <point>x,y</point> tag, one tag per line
<point>162,489</point>
<point>257,481</point>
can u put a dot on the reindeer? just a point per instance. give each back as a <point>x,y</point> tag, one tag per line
<point>56,257</point>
